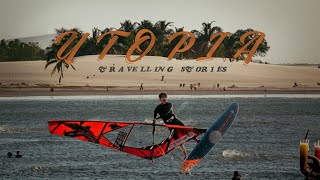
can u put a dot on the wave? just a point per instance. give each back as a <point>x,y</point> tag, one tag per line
<point>6,129</point>
<point>182,107</point>
<point>234,154</point>
<point>150,120</point>
<point>40,169</point>
<point>2,129</point>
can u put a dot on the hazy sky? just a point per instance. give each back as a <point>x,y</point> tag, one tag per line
<point>292,27</point>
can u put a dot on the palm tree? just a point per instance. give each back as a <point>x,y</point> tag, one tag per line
<point>3,50</point>
<point>179,29</point>
<point>232,45</point>
<point>60,65</point>
<point>147,24</point>
<point>89,46</point>
<point>203,44</point>
<point>170,46</point>
<point>163,34</point>
<point>163,26</point>
<point>262,48</point>
<point>167,47</point>
<point>128,26</point>
<point>103,42</point>
<point>124,43</point>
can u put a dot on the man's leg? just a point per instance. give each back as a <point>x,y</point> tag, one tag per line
<point>183,149</point>
<point>176,121</point>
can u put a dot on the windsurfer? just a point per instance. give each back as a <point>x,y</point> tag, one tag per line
<point>165,110</point>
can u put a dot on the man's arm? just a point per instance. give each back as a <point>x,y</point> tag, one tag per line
<point>155,112</point>
<point>170,109</point>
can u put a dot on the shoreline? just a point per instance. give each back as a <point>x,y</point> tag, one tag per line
<point>87,91</point>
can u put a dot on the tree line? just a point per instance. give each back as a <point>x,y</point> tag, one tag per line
<point>162,31</point>
<point>15,50</point>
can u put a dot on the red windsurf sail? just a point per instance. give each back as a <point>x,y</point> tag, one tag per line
<point>96,131</point>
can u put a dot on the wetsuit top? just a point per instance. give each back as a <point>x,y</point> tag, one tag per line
<point>164,110</point>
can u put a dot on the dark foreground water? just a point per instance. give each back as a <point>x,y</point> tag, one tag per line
<point>263,142</point>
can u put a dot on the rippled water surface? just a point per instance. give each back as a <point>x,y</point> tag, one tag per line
<point>262,143</point>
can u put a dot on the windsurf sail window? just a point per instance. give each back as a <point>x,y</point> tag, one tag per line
<point>120,138</point>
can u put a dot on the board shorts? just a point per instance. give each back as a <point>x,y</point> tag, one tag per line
<point>174,121</point>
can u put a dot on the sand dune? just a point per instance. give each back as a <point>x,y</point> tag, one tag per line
<point>87,74</point>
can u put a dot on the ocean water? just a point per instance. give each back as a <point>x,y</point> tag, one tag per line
<point>263,142</point>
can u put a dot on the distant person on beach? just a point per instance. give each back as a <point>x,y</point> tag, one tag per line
<point>141,87</point>
<point>18,155</point>
<point>165,110</point>
<point>236,176</point>
<point>9,154</point>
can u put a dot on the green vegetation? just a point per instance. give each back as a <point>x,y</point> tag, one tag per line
<point>162,31</point>
<point>15,50</point>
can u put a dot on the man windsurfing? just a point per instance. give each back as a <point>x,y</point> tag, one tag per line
<point>165,110</point>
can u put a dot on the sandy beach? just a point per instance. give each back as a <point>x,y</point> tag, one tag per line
<point>113,75</point>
